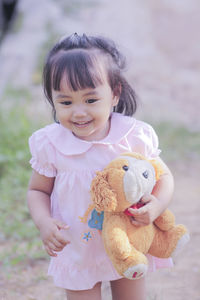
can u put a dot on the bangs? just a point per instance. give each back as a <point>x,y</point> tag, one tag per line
<point>80,68</point>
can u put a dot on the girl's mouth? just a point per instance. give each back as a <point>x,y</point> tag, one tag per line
<point>82,124</point>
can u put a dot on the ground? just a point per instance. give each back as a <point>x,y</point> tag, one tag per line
<point>160,41</point>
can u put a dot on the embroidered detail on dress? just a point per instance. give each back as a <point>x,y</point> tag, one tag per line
<point>86,236</point>
<point>84,218</point>
<point>96,220</point>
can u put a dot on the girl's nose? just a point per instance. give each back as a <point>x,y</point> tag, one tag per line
<point>79,111</point>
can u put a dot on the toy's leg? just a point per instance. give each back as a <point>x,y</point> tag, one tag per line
<point>165,243</point>
<point>181,243</point>
<point>133,267</point>
<point>126,259</point>
<point>165,221</point>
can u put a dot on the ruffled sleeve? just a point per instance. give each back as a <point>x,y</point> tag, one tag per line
<point>146,140</point>
<point>43,154</point>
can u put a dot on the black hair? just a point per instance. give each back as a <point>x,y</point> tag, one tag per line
<point>76,57</point>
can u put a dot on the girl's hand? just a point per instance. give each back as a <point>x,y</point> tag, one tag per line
<point>147,213</point>
<point>52,238</point>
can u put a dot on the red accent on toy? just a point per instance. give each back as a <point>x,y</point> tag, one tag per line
<point>134,274</point>
<point>134,206</point>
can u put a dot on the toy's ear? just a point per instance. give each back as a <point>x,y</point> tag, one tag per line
<point>157,167</point>
<point>102,195</point>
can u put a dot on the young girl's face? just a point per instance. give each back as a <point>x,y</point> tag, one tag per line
<point>85,112</point>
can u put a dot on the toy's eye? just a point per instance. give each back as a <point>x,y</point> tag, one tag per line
<point>125,168</point>
<point>145,174</point>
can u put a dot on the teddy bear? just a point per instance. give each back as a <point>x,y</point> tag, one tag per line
<point>121,185</point>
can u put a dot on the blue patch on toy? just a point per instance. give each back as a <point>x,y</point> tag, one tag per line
<point>96,220</point>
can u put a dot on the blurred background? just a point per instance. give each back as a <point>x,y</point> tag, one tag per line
<point>162,44</point>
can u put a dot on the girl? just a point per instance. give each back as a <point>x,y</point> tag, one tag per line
<point>93,106</point>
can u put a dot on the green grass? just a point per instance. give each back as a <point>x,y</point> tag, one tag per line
<point>17,229</point>
<point>178,142</point>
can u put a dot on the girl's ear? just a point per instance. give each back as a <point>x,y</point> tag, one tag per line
<point>115,100</point>
<point>117,93</point>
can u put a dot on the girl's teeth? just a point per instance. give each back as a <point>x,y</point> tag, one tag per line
<point>82,123</point>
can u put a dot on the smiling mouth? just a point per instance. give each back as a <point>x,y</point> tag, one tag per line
<point>82,124</point>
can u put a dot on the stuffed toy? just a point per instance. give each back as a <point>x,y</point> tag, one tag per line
<point>119,186</point>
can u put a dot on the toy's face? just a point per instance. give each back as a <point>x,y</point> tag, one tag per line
<point>139,179</point>
<point>130,179</point>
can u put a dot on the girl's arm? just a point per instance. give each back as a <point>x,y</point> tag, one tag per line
<point>158,201</point>
<point>164,188</point>
<point>39,191</point>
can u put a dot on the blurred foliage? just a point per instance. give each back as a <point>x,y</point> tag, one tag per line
<point>72,8</point>
<point>16,94</point>
<point>14,172</point>
<point>17,228</point>
<point>178,142</point>
<point>18,22</point>
<point>51,37</point>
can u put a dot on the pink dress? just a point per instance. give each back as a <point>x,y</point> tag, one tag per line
<point>56,152</point>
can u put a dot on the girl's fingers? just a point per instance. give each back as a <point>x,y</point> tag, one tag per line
<point>147,198</point>
<point>133,211</point>
<point>137,212</point>
<point>61,239</point>
<point>136,223</point>
<point>52,248</point>
<point>60,224</point>
<point>57,246</point>
<point>50,251</point>
<point>58,236</point>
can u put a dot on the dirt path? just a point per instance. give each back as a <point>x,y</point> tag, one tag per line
<point>160,39</point>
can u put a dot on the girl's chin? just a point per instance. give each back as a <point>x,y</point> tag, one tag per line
<point>90,133</point>
<point>87,136</point>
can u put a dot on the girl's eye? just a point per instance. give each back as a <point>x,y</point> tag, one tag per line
<point>91,100</point>
<point>66,102</point>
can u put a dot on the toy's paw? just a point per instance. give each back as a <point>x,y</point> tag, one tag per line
<point>136,272</point>
<point>181,243</point>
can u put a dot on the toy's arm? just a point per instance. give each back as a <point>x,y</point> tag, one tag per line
<point>115,237</point>
<point>165,221</point>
